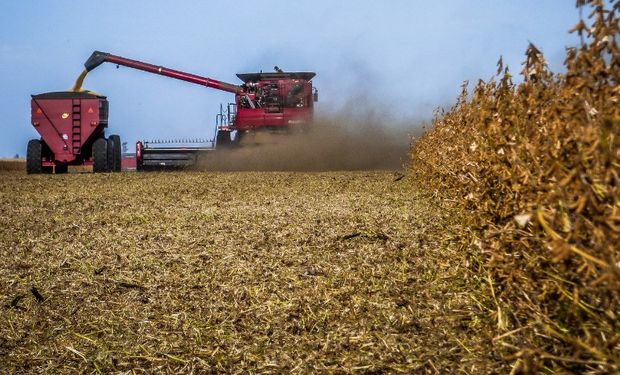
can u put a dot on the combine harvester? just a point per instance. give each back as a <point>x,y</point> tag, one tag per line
<point>72,123</point>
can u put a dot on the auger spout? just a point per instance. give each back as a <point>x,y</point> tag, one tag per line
<point>97,58</point>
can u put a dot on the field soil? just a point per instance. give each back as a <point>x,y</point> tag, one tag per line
<point>339,272</point>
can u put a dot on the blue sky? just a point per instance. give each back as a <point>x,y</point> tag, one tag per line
<point>404,58</point>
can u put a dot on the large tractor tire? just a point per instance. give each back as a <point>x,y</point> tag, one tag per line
<point>117,154</point>
<point>34,161</point>
<point>111,150</point>
<point>100,155</point>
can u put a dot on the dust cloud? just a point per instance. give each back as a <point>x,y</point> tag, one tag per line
<point>332,143</point>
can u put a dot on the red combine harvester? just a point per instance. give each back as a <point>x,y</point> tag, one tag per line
<point>277,101</point>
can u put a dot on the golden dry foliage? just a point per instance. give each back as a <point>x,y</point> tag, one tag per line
<point>535,167</point>
<point>7,165</point>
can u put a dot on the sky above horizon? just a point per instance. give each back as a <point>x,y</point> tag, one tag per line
<point>399,58</point>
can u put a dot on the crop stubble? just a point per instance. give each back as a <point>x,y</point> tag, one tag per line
<point>210,272</point>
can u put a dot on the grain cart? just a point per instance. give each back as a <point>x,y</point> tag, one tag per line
<point>71,125</point>
<point>274,101</point>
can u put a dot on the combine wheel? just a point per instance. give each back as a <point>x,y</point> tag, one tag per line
<point>33,157</point>
<point>117,152</point>
<point>100,155</point>
<point>223,139</point>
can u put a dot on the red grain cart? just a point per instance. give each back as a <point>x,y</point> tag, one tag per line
<point>72,128</point>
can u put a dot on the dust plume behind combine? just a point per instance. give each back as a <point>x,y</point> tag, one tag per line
<point>335,142</point>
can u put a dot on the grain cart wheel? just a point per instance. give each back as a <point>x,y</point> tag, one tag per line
<point>117,152</point>
<point>100,155</point>
<point>33,157</point>
<point>111,148</point>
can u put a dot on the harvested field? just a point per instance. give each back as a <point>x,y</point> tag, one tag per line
<point>336,272</point>
<point>7,165</point>
<point>497,252</point>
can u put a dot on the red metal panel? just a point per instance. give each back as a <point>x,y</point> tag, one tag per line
<point>297,113</point>
<point>67,124</point>
<point>52,119</point>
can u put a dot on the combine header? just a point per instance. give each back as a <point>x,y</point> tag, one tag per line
<point>274,101</point>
